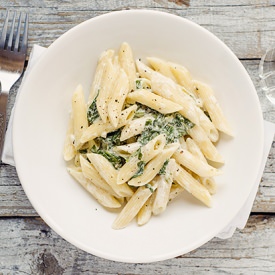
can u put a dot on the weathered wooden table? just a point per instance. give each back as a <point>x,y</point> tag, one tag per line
<point>29,246</point>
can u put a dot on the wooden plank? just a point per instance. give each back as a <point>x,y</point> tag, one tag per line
<point>30,246</point>
<point>247,27</point>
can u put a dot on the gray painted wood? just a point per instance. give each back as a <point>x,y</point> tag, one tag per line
<point>29,246</point>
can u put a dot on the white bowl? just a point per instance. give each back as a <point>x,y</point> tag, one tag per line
<point>40,124</point>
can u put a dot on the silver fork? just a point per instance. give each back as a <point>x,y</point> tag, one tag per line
<point>13,51</point>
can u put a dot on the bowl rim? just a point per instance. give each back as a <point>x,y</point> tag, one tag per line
<point>36,206</point>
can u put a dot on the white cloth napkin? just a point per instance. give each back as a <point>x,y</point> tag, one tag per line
<point>238,222</point>
<point>7,155</point>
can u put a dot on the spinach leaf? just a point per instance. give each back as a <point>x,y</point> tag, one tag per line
<point>141,165</point>
<point>162,171</point>
<point>92,113</point>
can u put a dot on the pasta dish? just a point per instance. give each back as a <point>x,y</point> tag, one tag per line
<point>146,133</point>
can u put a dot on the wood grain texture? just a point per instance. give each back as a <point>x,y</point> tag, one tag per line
<point>30,247</point>
<point>247,27</point>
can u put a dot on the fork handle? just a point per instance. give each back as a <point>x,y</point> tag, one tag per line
<point>3,119</point>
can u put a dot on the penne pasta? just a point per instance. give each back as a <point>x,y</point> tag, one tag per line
<point>117,97</point>
<point>192,147</point>
<point>154,166</point>
<point>127,149</point>
<point>164,183</point>
<point>166,88</point>
<point>108,79</point>
<point>195,164</point>
<point>175,191</point>
<point>145,212</point>
<point>133,206</point>
<point>147,152</point>
<point>103,197</point>
<point>213,108</point>
<point>206,146</point>
<point>99,128</point>
<point>99,74</point>
<point>79,116</point>
<point>127,62</point>
<point>209,184</point>
<point>69,151</point>
<point>145,135</point>
<point>158,103</point>
<point>175,72</point>
<point>134,128</point>
<point>93,175</point>
<point>191,185</point>
<point>109,174</point>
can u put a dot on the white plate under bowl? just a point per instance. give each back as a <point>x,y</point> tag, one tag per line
<point>42,114</point>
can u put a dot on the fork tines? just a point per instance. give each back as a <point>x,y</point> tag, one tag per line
<point>17,42</point>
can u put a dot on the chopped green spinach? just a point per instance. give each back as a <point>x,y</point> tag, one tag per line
<point>162,171</point>
<point>92,113</point>
<point>173,126</point>
<point>149,186</point>
<point>141,165</point>
<point>104,147</point>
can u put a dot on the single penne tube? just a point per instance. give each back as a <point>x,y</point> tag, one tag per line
<point>182,76</point>
<point>209,184</point>
<point>145,212</point>
<point>207,125</point>
<point>191,185</point>
<point>100,128</point>
<point>206,146</point>
<point>164,183</point>
<point>99,73</point>
<point>76,160</point>
<point>195,164</point>
<point>109,174</point>
<point>143,70</point>
<point>192,147</point>
<point>134,127</point>
<point>69,151</point>
<point>133,206</point>
<point>147,152</point>
<point>161,66</point>
<point>182,142</point>
<point>127,149</point>
<point>93,175</point>
<point>127,62</point>
<point>175,190</point>
<point>154,101</point>
<point>212,106</point>
<point>103,197</point>
<point>109,77</point>
<point>79,115</point>
<point>117,97</point>
<point>153,167</point>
